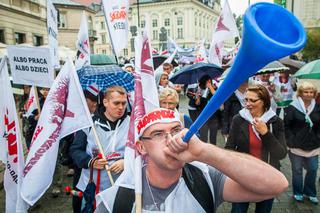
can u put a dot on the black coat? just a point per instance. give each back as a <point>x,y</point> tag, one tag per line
<point>298,133</point>
<point>273,143</point>
<point>232,106</point>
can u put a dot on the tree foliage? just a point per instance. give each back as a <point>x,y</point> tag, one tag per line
<point>312,49</point>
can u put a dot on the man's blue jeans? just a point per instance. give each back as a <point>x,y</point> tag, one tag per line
<point>308,187</point>
<point>264,206</point>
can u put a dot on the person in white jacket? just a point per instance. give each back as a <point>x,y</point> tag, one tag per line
<point>165,187</point>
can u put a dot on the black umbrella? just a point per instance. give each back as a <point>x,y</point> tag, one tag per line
<point>191,74</point>
<point>158,60</point>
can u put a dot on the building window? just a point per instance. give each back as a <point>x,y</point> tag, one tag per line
<point>179,21</point>
<point>195,21</point>
<point>167,22</point>
<point>155,34</point>
<point>143,23</point>
<point>17,3</point>
<point>168,32</point>
<point>20,38</point>
<point>200,22</point>
<point>102,26</point>
<point>180,33</point>
<point>104,52</point>
<point>37,40</point>
<point>125,52</point>
<point>35,7</point>
<point>2,40</point>
<point>62,20</point>
<point>154,23</point>
<point>103,39</point>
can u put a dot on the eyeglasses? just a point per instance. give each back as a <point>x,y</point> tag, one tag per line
<point>161,136</point>
<point>251,100</point>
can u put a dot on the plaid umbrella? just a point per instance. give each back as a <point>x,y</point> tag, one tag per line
<point>105,76</point>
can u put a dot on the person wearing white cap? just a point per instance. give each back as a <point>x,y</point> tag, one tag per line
<point>189,177</point>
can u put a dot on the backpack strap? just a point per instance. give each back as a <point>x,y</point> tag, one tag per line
<point>124,200</point>
<point>195,181</point>
<point>198,186</point>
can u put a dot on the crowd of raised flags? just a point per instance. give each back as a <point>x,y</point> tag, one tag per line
<point>65,110</point>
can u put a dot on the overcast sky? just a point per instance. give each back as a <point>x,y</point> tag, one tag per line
<point>239,6</point>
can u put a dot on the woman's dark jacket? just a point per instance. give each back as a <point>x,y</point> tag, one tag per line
<point>273,143</point>
<point>298,133</point>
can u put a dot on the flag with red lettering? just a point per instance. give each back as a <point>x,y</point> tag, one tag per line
<point>83,47</point>
<point>116,14</point>
<point>10,144</point>
<point>64,112</point>
<point>145,100</point>
<point>215,53</point>
<point>31,104</point>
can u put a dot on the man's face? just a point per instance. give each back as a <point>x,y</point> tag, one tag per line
<point>115,105</point>
<point>92,105</point>
<point>167,69</point>
<point>153,146</point>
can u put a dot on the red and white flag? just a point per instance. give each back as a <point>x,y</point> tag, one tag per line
<point>64,112</point>
<point>145,100</point>
<point>31,104</point>
<point>11,149</point>
<point>83,46</point>
<point>225,29</point>
<point>116,14</point>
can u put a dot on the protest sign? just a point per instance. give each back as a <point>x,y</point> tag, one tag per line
<point>31,65</point>
<point>52,24</point>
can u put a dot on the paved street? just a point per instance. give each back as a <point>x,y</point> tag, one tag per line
<point>284,203</point>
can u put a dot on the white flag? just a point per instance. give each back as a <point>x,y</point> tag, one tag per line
<point>83,47</point>
<point>52,24</point>
<point>116,14</point>
<point>226,27</point>
<point>31,104</point>
<point>64,112</point>
<point>215,53</point>
<point>10,144</point>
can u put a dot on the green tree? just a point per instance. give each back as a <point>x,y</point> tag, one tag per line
<point>312,49</point>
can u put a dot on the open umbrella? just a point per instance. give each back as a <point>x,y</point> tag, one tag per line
<point>274,66</point>
<point>158,60</point>
<point>101,59</point>
<point>191,74</point>
<point>309,71</point>
<point>105,76</point>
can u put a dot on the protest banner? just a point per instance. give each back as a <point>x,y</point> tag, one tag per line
<point>31,65</point>
<point>52,25</point>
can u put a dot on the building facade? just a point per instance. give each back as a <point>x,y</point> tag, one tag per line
<point>307,11</point>
<point>69,18</point>
<point>23,21</point>
<point>185,21</point>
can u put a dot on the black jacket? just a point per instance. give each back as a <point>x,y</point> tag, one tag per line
<point>298,132</point>
<point>232,106</point>
<point>273,143</point>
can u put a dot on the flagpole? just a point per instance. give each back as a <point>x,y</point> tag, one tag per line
<point>102,153</point>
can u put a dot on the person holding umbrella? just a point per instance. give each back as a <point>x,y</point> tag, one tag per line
<point>302,128</point>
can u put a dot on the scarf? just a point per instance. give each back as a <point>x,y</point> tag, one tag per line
<point>245,114</point>
<point>240,97</point>
<point>299,105</point>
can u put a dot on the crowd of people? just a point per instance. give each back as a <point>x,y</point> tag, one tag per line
<point>267,117</point>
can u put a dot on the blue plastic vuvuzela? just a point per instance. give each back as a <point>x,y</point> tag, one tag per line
<point>270,32</point>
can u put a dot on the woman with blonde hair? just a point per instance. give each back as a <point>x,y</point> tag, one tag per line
<point>169,99</point>
<point>302,130</point>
